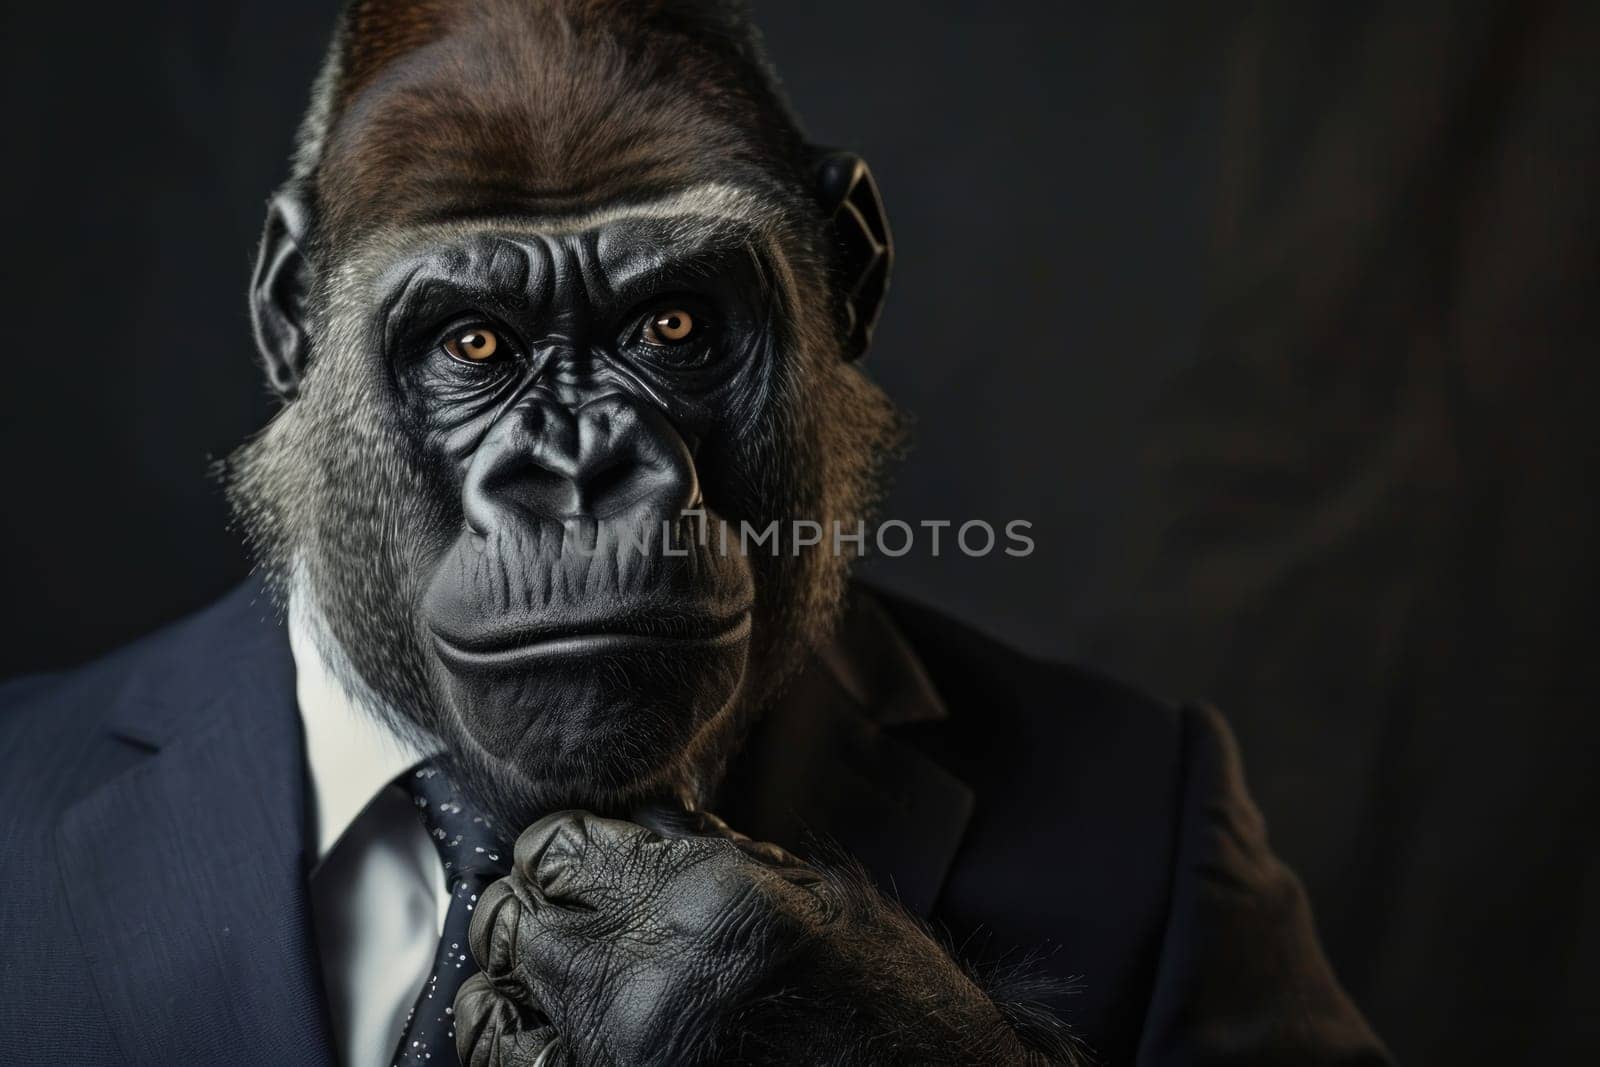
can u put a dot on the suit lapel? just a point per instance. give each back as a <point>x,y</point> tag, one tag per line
<point>824,766</point>
<point>186,874</point>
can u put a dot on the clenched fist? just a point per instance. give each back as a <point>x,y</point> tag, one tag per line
<point>673,940</point>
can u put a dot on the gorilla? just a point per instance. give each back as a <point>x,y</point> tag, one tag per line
<point>554,289</point>
<point>547,279</point>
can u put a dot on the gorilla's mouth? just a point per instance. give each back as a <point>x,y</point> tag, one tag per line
<point>503,646</point>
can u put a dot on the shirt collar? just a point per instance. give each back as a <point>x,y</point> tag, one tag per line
<point>351,755</point>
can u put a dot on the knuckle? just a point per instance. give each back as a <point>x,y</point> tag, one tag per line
<point>491,935</point>
<point>768,853</point>
<point>499,1025</point>
<point>574,854</point>
<point>480,1014</point>
<point>557,838</point>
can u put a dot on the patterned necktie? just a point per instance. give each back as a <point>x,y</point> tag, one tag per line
<point>474,853</point>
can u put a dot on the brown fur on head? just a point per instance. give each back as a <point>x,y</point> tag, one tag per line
<point>438,121</point>
<point>449,107</point>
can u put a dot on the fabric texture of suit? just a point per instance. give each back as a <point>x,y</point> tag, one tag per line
<point>155,828</point>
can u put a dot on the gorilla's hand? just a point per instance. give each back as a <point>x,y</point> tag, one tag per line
<point>633,944</point>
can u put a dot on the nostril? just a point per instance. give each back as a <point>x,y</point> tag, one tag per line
<point>542,492</point>
<point>613,486</point>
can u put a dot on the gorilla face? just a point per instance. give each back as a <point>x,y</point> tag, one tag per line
<point>515,477</point>
<point>547,278</point>
<point>565,385</point>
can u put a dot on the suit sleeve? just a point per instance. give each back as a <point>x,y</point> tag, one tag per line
<point>1242,978</point>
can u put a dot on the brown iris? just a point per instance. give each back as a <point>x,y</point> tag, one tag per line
<point>672,327</point>
<point>473,346</point>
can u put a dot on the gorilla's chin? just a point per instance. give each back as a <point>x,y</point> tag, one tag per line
<point>596,721</point>
<point>586,678</point>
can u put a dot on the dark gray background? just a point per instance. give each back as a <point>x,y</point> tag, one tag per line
<point>1277,325</point>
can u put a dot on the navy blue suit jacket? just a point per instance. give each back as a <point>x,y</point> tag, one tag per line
<point>153,807</point>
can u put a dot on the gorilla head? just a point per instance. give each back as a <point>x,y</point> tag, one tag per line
<point>546,275</point>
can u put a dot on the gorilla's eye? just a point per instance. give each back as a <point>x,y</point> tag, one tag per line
<point>473,345</point>
<point>671,327</point>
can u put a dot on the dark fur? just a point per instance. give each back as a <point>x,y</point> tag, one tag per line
<point>887,1019</point>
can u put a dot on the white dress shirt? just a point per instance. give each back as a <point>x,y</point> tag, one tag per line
<point>378,895</point>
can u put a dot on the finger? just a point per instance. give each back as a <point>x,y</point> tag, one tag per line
<point>671,820</point>
<point>675,821</point>
<point>565,857</point>
<point>715,827</point>
<point>495,931</point>
<point>768,853</point>
<point>495,1030</point>
<point>519,940</point>
<point>765,851</point>
<point>536,964</point>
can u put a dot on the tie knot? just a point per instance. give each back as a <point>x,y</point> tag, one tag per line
<point>470,844</point>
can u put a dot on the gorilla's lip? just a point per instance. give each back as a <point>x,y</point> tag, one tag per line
<point>517,645</point>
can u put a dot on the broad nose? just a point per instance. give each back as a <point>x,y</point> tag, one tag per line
<point>607,458</point>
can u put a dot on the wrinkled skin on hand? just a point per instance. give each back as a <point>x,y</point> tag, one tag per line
<point>673,940</point>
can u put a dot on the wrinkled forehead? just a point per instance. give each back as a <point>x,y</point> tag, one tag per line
<point>617,248</point>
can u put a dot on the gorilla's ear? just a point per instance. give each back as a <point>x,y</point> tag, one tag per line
<point>864,248</point>
<point>278,293</point>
